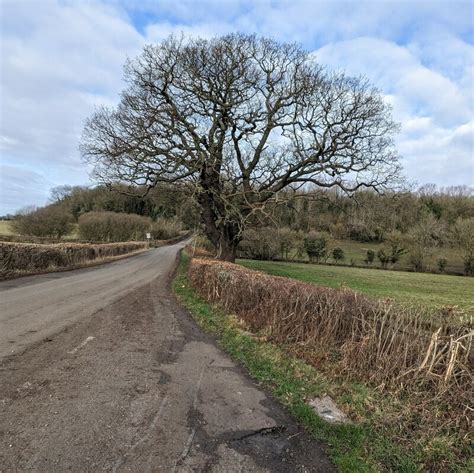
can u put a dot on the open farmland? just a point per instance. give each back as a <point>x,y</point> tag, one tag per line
<point>432,290</point>
<point>5,228</point>
<point>356,252</point>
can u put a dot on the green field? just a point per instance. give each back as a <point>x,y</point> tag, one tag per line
<point>431,290</point>
<point>355,253</point>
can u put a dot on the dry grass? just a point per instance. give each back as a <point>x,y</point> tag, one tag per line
<point>32,258</point>
<point>400,350</point>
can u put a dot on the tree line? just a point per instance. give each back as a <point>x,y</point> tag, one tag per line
<point>303,224</point>
<point>415,225</point>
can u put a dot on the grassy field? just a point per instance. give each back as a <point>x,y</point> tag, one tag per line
<point>432,290</point>
<point>356,252</point>
<point>5,228</point>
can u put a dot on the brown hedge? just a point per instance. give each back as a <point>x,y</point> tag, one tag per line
<point>374,340</point>
<point>26,257</point>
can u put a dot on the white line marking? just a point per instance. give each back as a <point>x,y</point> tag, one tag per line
<point>85,342</point>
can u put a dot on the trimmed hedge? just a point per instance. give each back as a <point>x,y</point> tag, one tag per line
<point>396,348</point>
<point>113,226</point>
<point>36,257</point>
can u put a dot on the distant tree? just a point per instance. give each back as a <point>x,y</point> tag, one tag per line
<point>259,244</point>
<point>239,119</point>
<point>60,193</point>
<point>383,257</point>
<point>397,251</point>
<point>370,256</point>
<point>287,239</point>
<point>53,221</point>
<point>442,262</point>
<point>463,233</point>
<point>338,254</point>
<point>423,240</point>
<point>315,246</point>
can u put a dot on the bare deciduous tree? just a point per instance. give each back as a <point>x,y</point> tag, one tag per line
<point>239,119</point>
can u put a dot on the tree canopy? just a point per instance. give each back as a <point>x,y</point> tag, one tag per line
<point>239,119</point>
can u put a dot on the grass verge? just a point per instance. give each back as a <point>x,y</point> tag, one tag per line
<point>363,446</point>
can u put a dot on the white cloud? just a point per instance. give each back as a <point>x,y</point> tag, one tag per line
<point>58,61</point>
<point>435,110</point>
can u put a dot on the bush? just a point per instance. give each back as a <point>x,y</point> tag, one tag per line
<point>287,241</point>
<point>369,259</point>
<point>259,244</point>
<point>164,229</point>
<point>442,262</point>
<point>112,226</point>
<point>315,246</point>
<point>385,257</point>
<point>338,254</point>
<point>53,221</point>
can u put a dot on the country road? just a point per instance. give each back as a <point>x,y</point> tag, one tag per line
<point>102,370</point>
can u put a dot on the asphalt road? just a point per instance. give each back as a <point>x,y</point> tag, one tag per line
<point>101,370</point>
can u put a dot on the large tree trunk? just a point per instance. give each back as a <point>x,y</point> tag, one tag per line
<point>224,236</point>
<point>227,245</point>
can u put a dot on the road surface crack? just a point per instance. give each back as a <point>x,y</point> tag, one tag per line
<point>278,429</point>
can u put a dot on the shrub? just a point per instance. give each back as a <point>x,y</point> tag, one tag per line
<point>397,251</point>
<point>442,262</point>
<point>383,257</point>
<point>287,241</point>
<point>112,226</point>
<point>370,256</point>
<point>164,229</point>
<point>315,246</point>
<point>338,254</point>
<point>29,257</point>
<point>259,244</point>
<point>53,221</point>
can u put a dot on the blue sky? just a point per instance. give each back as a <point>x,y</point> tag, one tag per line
<point>60,59</point>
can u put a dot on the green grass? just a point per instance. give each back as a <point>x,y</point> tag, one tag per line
<point>356,447</point>
<point>356,253</point>
<point>5,228</point>
<point>430,290</point>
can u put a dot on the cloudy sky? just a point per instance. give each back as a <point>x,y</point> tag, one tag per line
<point>59,59</point>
